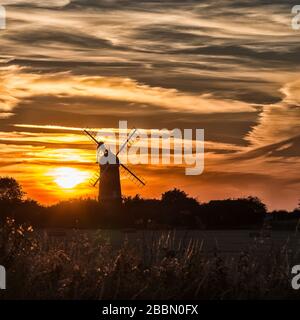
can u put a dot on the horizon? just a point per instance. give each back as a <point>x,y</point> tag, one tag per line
<point>228,68</point>
<point>88,198</point>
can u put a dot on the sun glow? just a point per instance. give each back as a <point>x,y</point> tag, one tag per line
<point>68,178</point>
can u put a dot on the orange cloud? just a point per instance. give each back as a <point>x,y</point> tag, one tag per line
<point>18,85</point>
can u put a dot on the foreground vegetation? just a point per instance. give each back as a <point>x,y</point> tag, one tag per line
<point>78,266</point>
<point>81,267</point>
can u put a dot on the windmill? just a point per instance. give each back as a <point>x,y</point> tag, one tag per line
<point>108,176</point>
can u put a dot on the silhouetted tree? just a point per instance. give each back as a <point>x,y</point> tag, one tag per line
<point>175,209</point>
<point>75,213</point>
<point>30,211</point>
<point>179,209</point>
<point>10,190</point>
<point>11,195</point>
<point>176,197</point>
<point>142,213</point>
<point>233,213</point>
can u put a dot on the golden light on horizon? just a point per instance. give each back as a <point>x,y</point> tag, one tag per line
<point>68,178</point>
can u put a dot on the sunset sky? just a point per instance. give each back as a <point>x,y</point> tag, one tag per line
<point>229,67</point>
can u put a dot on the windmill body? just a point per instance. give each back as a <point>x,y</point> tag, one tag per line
<point>109,185</point>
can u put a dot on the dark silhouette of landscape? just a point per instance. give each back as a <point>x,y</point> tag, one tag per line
<point>175,209</point>
<point>69,250</point>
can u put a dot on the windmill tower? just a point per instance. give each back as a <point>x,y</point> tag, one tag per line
<point>108,176</point>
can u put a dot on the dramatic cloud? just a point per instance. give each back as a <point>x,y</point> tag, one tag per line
<point>17,86</point>
<point>230,67</point>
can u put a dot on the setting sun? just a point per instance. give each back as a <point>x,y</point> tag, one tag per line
<point>68,178</point>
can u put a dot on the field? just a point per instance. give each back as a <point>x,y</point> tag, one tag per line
<point>225,242</point>
<point>184,264</point>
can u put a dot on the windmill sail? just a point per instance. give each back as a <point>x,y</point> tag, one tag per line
<point>91,134</point>
<point>133,138</point>
<point>109,172</point>
<point>139,181</point>
<point>94,179</point>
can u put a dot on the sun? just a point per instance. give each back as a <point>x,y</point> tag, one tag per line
<point>68,178</point>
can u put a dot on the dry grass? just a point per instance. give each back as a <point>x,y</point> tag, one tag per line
<point>81,267</point>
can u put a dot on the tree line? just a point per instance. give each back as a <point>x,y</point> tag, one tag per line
<point>175,209</point>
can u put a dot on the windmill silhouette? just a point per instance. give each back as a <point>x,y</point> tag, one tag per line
<point>108,176</point>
